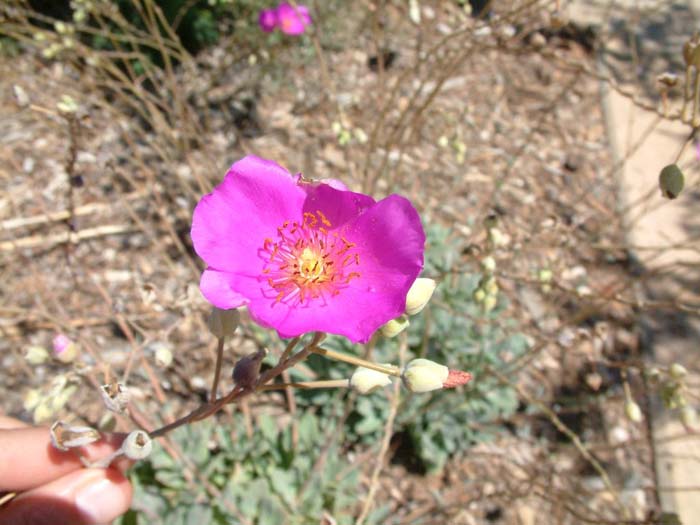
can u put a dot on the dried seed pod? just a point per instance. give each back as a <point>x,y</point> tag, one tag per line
<point>64,436</point>
<point>137,445</point>
<point>667,79</point>
<point>671,181</point>
<point>115,397</point>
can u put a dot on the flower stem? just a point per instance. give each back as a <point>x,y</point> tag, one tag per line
<point>357,361</point>
<point>308,385</point>
<point>208,409</point>
<point>217,370</point>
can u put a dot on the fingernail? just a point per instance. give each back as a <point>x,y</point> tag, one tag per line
<point>101,500</point>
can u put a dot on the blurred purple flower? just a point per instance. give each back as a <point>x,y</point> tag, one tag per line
<point>291,20</point>
<point>267,20</point>
<point>306,256</point>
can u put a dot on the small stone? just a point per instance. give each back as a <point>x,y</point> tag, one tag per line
<point>28,165</point>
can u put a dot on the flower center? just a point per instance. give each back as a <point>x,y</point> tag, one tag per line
<point>307,261</point>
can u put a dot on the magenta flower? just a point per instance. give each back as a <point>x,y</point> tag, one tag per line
<point>292,20</point>
<point>267,20</point>
<point>306,256</point>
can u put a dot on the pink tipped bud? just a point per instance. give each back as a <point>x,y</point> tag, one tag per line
<point>64,349</point>
<point>456,378</point>
<point>423,375</point>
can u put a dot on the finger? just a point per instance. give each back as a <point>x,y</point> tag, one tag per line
<point>10,422</point>
<point>88,496</point>
<point>28,459</point>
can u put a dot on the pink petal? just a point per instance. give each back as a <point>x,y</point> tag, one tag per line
<point>267,20</point>
<point>291,20</point>
<point>216,288</point>
<point>230,224</point>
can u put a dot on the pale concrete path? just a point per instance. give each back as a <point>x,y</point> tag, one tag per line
<point>643,39</point>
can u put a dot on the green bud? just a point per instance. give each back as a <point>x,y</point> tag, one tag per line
<point>223,323</point>
<point>361,136</point>
<point>677,371</point>
<point>247,369</point>
<point>633,412</point>
<point>365,380</point>
<point>419,295</point>
<point>67,105</point>
<point>394,327</point>
<point>544,275</point>
<point>423,375</point>
<point>163,355</point>
<point>36,355</point>
<point>490,302</point>
<point>490,286</point>
<point>79,15</point>
<point>689,417</point>
<point>498,238</point>
<point>479,295</point>
<point>488,264</point>
<point>31,399</point>
<point>671,181</point>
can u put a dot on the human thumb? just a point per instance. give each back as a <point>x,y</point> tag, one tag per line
<point>83,497</point>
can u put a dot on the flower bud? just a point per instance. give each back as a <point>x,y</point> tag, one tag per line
<point>653,375</point>
<point>490,286</point>
<point>479,295</point>
<point>365,380</point>
<point>498,238</point>
<point>633,412</point>
<point>545,275</point>
<point>31,399</point>
<point>394,327</point>
<point>423,375</point>
<point>419,295</point>
<point>671,181</point>
<point>36,355</point>
<point>137,445</point>
<point>162,354</point>
<point>488,264</point>
<point>223,323</point>
<point>689,417</point>
<point>247,369</point>
<point>490,302</point>
<point>67,105</point>
<point>64,349</point>
<point>64,437</point>
<point>677,371</point>
<point>115,397</point>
